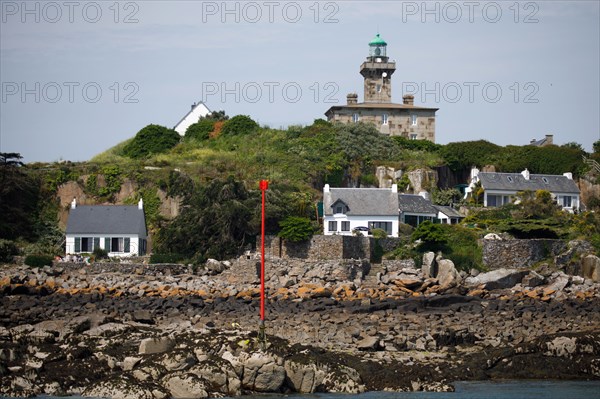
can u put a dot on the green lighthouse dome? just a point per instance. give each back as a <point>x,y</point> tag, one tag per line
<point>377,41</point>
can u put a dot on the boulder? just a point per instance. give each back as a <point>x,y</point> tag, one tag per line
<point>220,375</point>
<point>186,386</point>
<point>263,373</point>
<point>368,343</point>
<point>428,267</point>
<point>343,380</point>
<point>214,266</point>
<point>155,345</point>
<point>533,280</point>
<point>303,378</point>
<point>497,279</point>
<point>447,274</point>
<point>590,268</point>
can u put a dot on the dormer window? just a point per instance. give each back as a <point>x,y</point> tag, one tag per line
<point>340,208</point>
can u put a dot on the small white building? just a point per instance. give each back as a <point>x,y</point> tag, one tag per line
<point>118,229</point>
<point>346,209</point>
<point>198,110</point>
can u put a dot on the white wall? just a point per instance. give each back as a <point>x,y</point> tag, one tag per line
<point>133,245</point>
<point>199,110</point>
<point>358,221</point>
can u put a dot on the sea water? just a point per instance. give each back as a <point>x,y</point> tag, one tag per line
<point>467,390</point>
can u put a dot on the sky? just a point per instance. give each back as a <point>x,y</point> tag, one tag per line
<point>78,77</point>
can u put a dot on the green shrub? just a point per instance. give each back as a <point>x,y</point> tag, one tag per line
<point>153,139</point>
<point>200,130</point>
<point>100,253</point>
<point>294,228</point>
<point>8,249</point>
<point>38,260</point>
<point>379,233</point>
<point>239,125</point>
<point>433,237</point>
<point>167,258</point>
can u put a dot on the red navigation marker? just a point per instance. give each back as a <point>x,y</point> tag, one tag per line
<point>264,186</point>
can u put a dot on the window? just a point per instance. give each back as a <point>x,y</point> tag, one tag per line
<point>386,226</point>
<point>339,209</point>
<point>345,226</point>
<point>413,136</point>
<point>545,180</point>
<point>332,226</point>
<point>498,200</point>
<point>355,118</point>
<point>116,244</point>
<point>378,88</point>
<point>413,120</point>
<point>509,178</point>
<point>86,244</point>
<point>567,201</point>
<point>384,119</point>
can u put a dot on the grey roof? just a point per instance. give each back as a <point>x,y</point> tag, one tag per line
<point>362,201</point>
<point>448,211</point>
<point>517,182</point>
<point>412,203</point>
<point>107,219</point>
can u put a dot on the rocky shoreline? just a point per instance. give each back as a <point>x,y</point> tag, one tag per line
<point>145,331</point>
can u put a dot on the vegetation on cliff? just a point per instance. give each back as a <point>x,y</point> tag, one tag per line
<point>214,170</point>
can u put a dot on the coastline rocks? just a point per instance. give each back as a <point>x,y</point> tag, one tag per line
<point>590,266</point>
<point>497,279</point>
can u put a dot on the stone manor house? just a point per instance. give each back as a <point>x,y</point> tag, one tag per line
<point>407,119</point>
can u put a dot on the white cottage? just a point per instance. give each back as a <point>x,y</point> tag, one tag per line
<point>118,229</point>
<point>198,110</point>
<point>501,188</point>
<point>346,209</point>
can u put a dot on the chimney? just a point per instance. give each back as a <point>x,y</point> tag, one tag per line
<point>425,195</point>
<point>352,98</point>
<point>532,141</point>
<point>141,204</point>
<point>408,99</point>
<point>525,174</point>
<point>193,105</point>
<point>568,175</point>
<point>394,188</point>
<point>74,203</point>
<point>326,188</point>
<point>549,139</point>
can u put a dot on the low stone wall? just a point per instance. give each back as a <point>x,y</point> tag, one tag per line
<point>499,254</point>
<point>322,247</point>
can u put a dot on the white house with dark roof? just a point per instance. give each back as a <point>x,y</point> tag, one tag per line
<point>501,188</point>
<point>345,209</point>
<point>198,110</point>
<point>118,229</point>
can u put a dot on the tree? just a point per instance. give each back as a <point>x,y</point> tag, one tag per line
<point>215,116</point>
<point>239,125</point>
<point>535,205</point>
<point>294,228</point>
<point>464,155</point>
<point>217,221</point>
<point>200,130</point>
<point>19,194</point>
<point>433,237</point>
<point>152,139</point>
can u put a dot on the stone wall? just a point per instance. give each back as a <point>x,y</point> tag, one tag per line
<point>320,248</point>
<point>519,253</point>
<point>127,268</point>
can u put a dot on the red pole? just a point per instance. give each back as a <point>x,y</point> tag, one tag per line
<point>264,185</point>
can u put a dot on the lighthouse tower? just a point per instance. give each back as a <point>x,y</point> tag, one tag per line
<point>377,71</point>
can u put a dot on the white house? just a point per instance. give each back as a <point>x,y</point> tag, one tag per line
<point>118,229</point>
<point>500,188</point>
<point>345,209</point>
<point>198,110</point>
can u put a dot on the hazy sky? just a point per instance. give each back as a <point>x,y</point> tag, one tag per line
<point>81,76</point>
